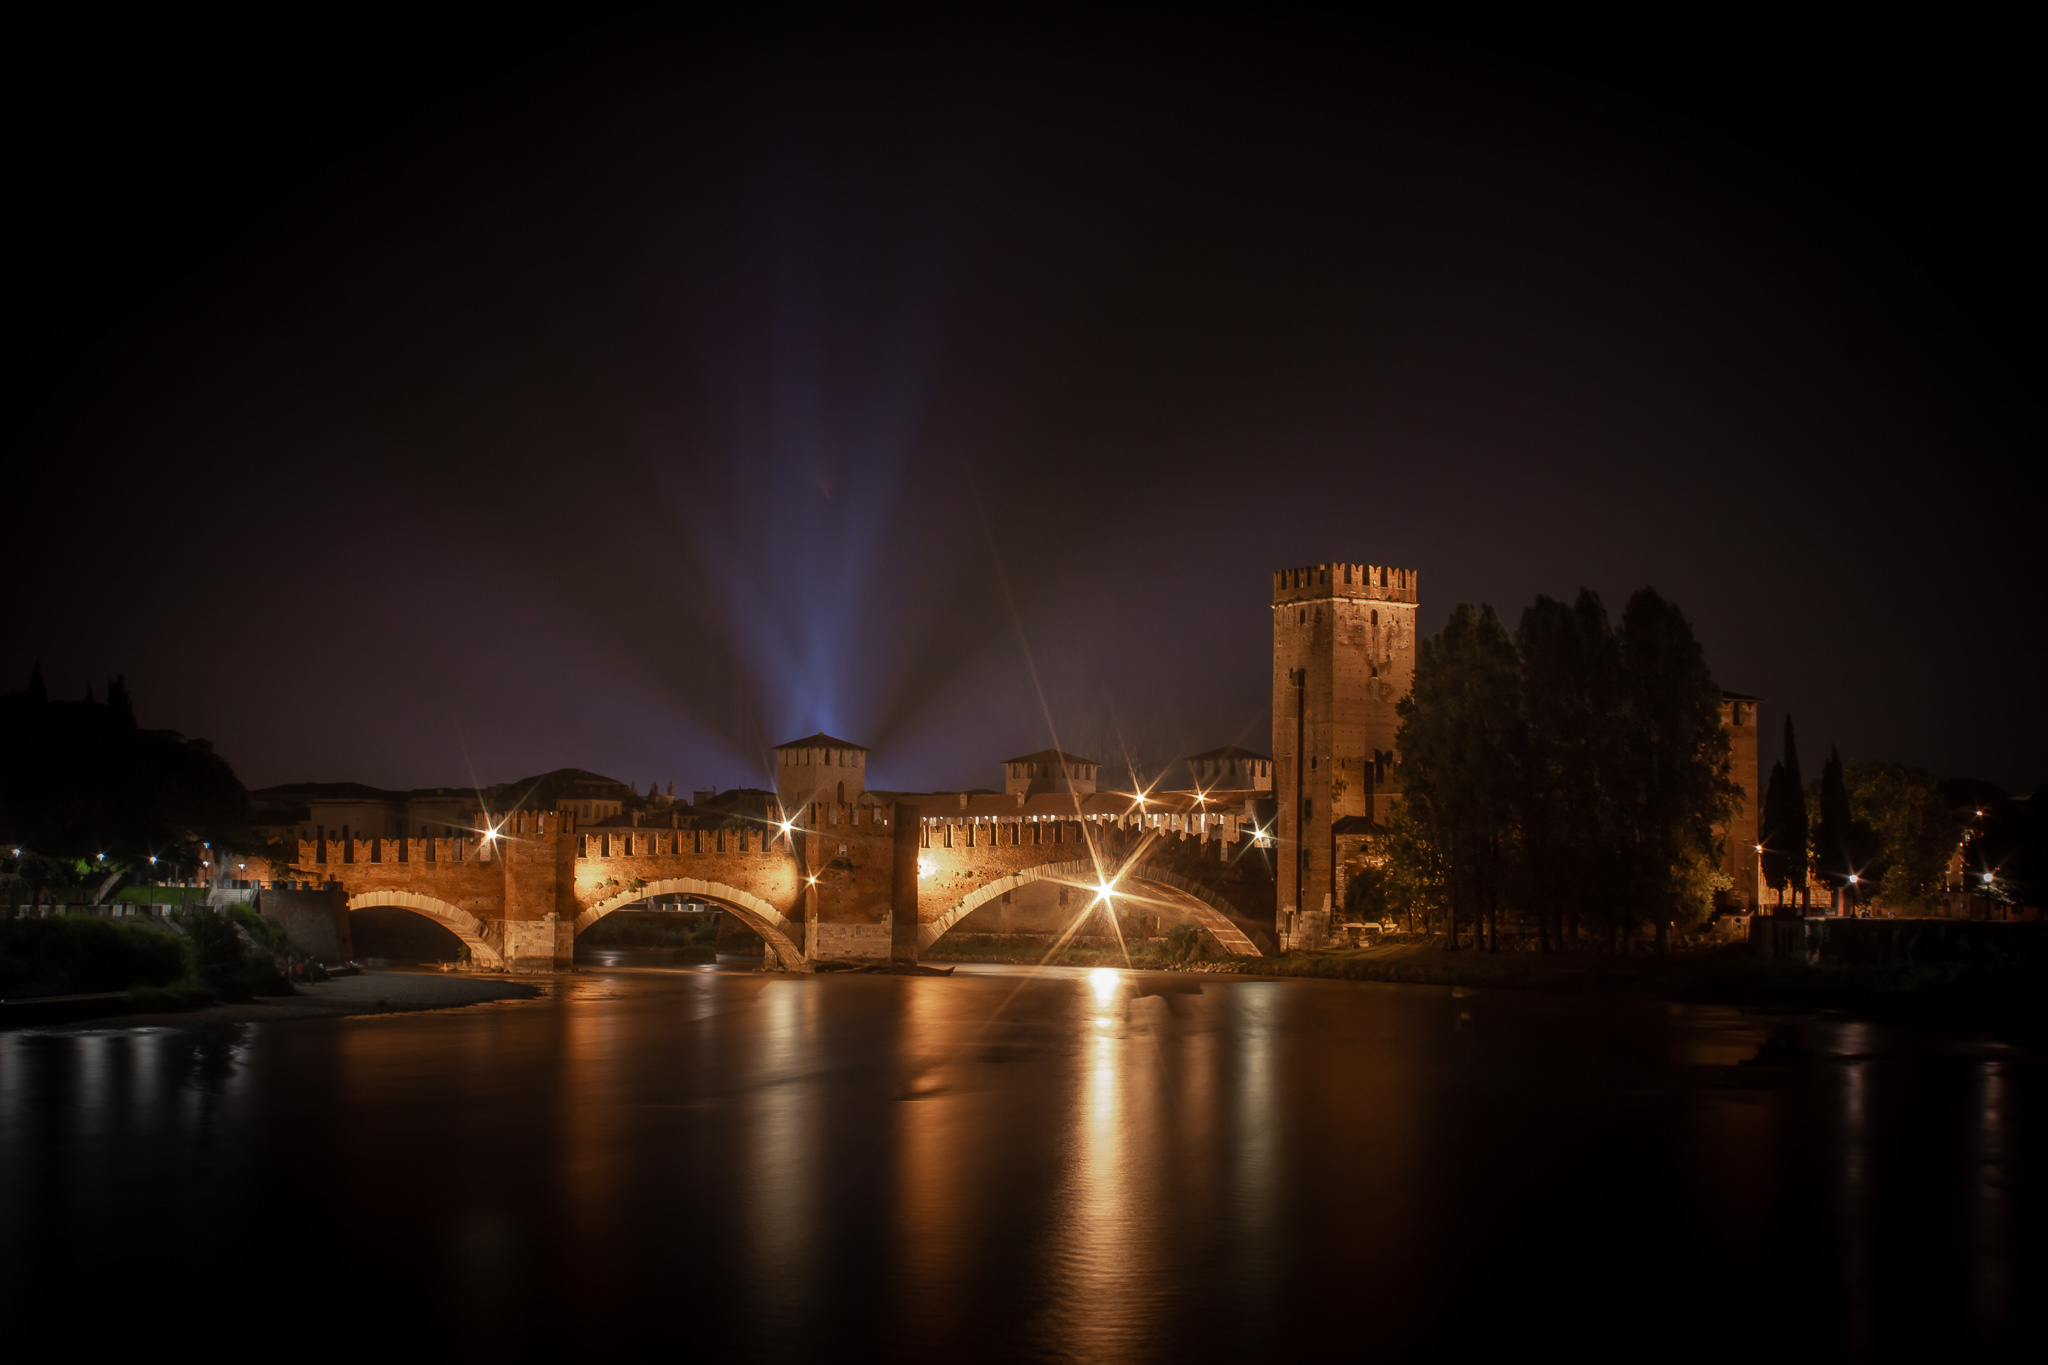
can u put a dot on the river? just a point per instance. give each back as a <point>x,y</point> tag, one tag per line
<point>1067,1165</point>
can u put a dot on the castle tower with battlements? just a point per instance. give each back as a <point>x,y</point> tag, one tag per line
<point>1343,657</point>
<point>820,768</point>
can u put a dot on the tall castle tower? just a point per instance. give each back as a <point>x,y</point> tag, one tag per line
<point>1343,657</point>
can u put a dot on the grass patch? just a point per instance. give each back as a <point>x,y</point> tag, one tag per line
<point>161,895</point>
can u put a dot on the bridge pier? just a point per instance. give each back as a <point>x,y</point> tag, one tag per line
<point>544,945</point>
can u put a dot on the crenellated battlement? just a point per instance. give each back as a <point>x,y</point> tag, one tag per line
<point>1367,582</point>
<point>531,824</point>
<point>468,848</point>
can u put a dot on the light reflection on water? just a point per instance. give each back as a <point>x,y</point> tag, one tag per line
<point>1070,1165</point>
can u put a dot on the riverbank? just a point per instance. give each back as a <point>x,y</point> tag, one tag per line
<point>339,998</point>
<point>2011,1001</point>
<point>1030,950</point>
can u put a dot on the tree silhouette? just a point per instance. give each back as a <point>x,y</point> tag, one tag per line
<point>1460,735</point>
<point>1784,836</point>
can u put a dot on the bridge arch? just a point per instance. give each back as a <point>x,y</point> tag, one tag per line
<point>1200,904</point>
<point>775,928</point>
<point>455,920</point>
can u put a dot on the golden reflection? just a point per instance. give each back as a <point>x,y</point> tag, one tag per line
<point>1990,1211</point>
<point>780,1165</point>
<point>936,1188</point>
<point>1106,1247</point>
<point>1104,981</point>
<point>592,1107</point>
<point>1854,1170</point>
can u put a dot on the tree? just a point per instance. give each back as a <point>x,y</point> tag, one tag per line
<point>1798,836</point>
<point>1843,845</point>
<point>1415,879</point>
<point>1673,775</point>
<point>1784,823</point>
<point>1775,858</point>
<point>1458,741</point>
<point>78,779</point>
<point>1571,669</point>
<point>1914,829</point>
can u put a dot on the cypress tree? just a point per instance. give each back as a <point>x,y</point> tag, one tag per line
<point>36,692</point>
<point>1783,807</point>
<point>1837,857</point>
<point>1797,838</point>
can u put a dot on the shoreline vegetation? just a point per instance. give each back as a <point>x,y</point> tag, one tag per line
<point>200,958</point>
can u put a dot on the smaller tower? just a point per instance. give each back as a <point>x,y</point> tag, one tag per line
<point>820,768</point>
<point>1049,770</point>
<point>1231,769</point>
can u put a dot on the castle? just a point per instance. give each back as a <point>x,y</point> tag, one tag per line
<point>1343,658</point>
<point>826,868</point>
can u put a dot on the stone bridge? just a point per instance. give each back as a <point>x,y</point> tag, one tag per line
<point>876,877</point>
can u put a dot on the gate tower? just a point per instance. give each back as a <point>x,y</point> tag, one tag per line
<point>1343,657</point>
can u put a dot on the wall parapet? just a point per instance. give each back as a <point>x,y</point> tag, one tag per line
<point>1370,582</point>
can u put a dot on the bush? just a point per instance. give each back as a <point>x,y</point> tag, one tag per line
<point>82,954</point>
<point>227,957</point>
<point>1184,943</point>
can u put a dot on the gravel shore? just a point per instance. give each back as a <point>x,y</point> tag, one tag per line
<point>369,993</point>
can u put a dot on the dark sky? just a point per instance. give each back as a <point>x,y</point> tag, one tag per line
<point>411,405</point>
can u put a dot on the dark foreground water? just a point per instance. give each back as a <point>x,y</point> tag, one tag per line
<point>1086,1166</point>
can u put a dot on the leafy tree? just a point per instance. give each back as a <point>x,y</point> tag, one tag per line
<point>2010,846</point>
<point>33,874</point>
<point>1459,739</point>
<point>1672,775</point>
<point>1915,832</point>
<point>233,954</point>
<point>1416,879</point>
<point>77,778</point>
<point>1571,671</point>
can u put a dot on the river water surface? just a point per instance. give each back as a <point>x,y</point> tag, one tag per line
<point>1068,1165</point>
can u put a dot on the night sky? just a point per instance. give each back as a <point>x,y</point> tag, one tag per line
<point>418,405</point>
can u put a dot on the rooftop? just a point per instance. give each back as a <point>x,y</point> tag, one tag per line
<point>1055,756</point>
<point>821,740</point>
